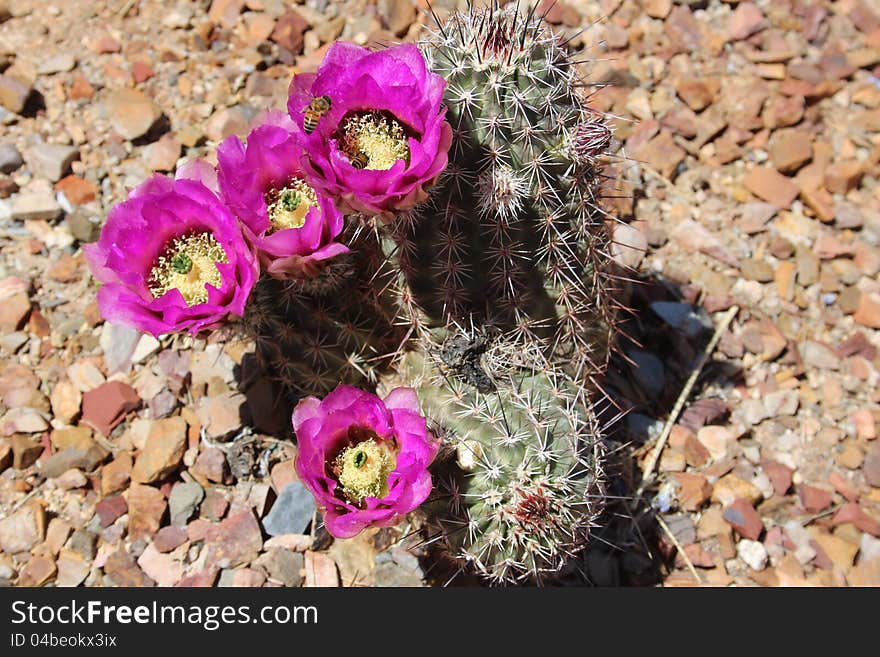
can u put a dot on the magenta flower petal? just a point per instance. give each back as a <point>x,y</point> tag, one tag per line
<point>395,81</point>
<point>270,159</point>
<point>346,419</point>
<point>141,229</point>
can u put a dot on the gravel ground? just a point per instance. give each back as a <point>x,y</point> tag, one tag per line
<point>745,175</point>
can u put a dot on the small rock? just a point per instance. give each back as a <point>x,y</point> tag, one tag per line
<point>105,406</point>
<point>37,571</point>
<point>146,506</point>
<point>221,415</point>
<point>866,427</point>
<point>292,511</point>
<point>781,402</point>
<point>14,93</point>
<point>50,161</point>
<point>121,568</point>
<point>288,32</point>
<point>163,451</point>
<point>65,400</point>
<point>72,569</point>
<point>111,508</point>
<point>730,487</point>
<point>813,499</point>
<point>790,150</point>
<point>779,475</point>
<point>23,420</point>
<point>131,113</point>
<point>868,311</point>
<point>25,452</point>
<point>694,490</point>
<point>116,474</point>
<point>769,185</point>
<point>283,566</point>
<point>14,311</point>
<point>76,190</point>
<point>163,154</point>
<point>226,121</point>
<point>662,154</point>
<point>169,538</point>
<point>10,158</point>
<point>871,466</point>
<point>233,542</point>
<point>71,479</point>
<point>744,519</point>
<point>753,553</point>
<point>680,316</point>
<point>852,513</point>
<point>36,206</point>
<point>397,568</point>
<point>745,21</point>
<point>23,529</point>
<point>841,177</point>
<point>211,464</point>
<point>398,15</point>
<point>162,568</point>
<point>320,570</point>
<point>818,355</point>
<point>183,502</point>
<point>716,439</point>
<point>695,93</point>
<point>225,12</point>
<point>648,371</point>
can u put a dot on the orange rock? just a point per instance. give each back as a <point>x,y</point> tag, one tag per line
<point>769,185</point>
<point>790,150</point>
<point>868,312</point>
<point>840,177</point>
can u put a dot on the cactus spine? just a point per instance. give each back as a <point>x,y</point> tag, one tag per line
<point>339,327</point>
<point>512,237</point>
<point>523,485</point>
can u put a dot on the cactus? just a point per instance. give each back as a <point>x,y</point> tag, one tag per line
<point>338,327</point>
<point>512,236</point>
<point>522,483</point>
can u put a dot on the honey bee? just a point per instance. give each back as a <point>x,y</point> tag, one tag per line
<point>318,106</point>
<point>359,160</point>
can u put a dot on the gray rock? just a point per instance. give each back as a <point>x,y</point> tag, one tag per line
<point>57,64</point>
<point>10,158</point>
<point>397,567</point>
<point>292,511</point>
<point>118,343</point>
<point>73,457</point>
<point>83,543</point>
<point>648,371</point>
<point>680,316</point>
<point>183,502</point>
<point>35,205</point>
<point>50,161</point>
<point>82,227</point>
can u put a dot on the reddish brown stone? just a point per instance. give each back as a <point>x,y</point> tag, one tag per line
<point>105,406</point>
<point>289,30</point>
<point>779,475</point>
<point>211,464</point>
<point>813,499</point>
<point>111,508</point>
<point>77,190</point>
<point>769,185</point>
<point>168,538</point>
<point>744,519</point>
<point>853,513</point>
<point>141,71</point>
<point>235,541</point>
<point>81,88</point>
<point>694,490</point>
<point>841,177</point>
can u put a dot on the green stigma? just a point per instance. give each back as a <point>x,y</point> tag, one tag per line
<point>290,200</point>
<point>181,263</point>
<point>363,469</point>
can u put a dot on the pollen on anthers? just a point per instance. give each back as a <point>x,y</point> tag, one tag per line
<point>363,468</point>
<point>374,140</point>
<point>188,264</point>
<point>287,207</point>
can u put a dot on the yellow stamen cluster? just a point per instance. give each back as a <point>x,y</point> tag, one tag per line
<point>188,264</point>
<point>287,207</point>
<point>363,469</point>
<point>377,137</point>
